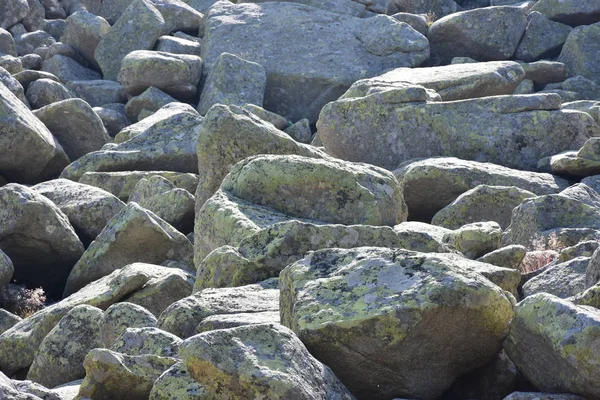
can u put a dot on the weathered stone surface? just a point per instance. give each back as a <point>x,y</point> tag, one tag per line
<point>440,8</point>
<point>151,100</point>
<point>168,143</point>
<point>230,134</point>
<point>476,239</point>
<point>451,82</point>
<point>582,249</point>
<point>485,34</point>
<point>132,235</point>
<point>98,93</point>
<point>233,81</point>
<point>60,356</point>
<point>112,375</point>
<point>75,124</point>
<point>6,269</point>
<point>324,190</point>
<point>138,28</point>
<point>13,12</point>
<point>147,340</point>
<point>38,238</point>
<point>83,31</point>
<point>9,391</point>
<point>67,69</point>
<point>482,203</point>
<point>572,12</point>
<point>120,316</point>
<point>395,296</point>
<point>88,208</point>
<point>177,45</point>
<point>542,396</point>
<point>264,360</point>
<point>29,152</point>
<point>449,177</point>
<point>8,320</point>
<point>226,321</point>
<point>113,117</point>
<point>280,31</point>
<point>43,92</point>
<point>393,126</point>
<point>579,50</point>
<point>562,280</point>
<point>13,85</point>
<point>182,317</point>
<point>554,343</point>
<point>27,77</point>
<point>176,383</point>
<point>300,131</point>
<point>7,43</point>
<point>543,38</point>
<point>506,257</point>
<point>175,74</point>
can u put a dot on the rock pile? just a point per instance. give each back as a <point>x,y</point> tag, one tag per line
<point>299,199</point>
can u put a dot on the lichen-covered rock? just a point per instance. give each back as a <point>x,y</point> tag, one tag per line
<point>177,384</point>
<point>449,177</point>
<point>67,69</point>
<point>563,280</point>
<point>38,238</point>
<point>506,257</point>
<point>175,74</point>
<point>115,376</point>
<point>264,360</point>
<point>29,152</point>
<point>554,343</point>
<point>572,12</point>
<point>13,85</point>
<point>178,45</point>
<point>592,273</point>
<point>482,203</point>
<point>485,34</point>
<point>544,72</point>
<point>6,269</point>
<point>98,93</point>
<point>148,340</point>
<point>182,317</point>
<point>582,249</point>
<point>226,321</point>
<point>476,239</point>
<point>132,235</point>
<point>168,143</point>
<point>152,99</point>
<point>400,123</point>
<point>60,356</point>
<point>9,391</point>
<point>365,47</point>
<point>324,190</point>
<point>233,81</point>
<point>44,91</point>
<point>138,28</point>
<point>162,121</point>
<point>334,299</point>
<point>83,31</point>
<point>300,131</point>
<point>8,320</point>
<point>76,126</point>
<point>120,316</point>
<point>543,38</point>
<point>579,49</point>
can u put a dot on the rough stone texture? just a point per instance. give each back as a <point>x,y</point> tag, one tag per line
<point>451,82</point>
<point>177,45</point>
<point>542,396</point>
<point>27,77</point>
<point>482,203</point>
<point>113,117</point>
<point>88,208</point>
<point>112,375</point>
<point>8,390</point>
<point>8,320</point>
<point>582,249</point>
<point>543,38</point>
<point>75,124</point>
<point>83,31</point>
<point>230,134</point>
<point>325,190</point>
<point>6,270</point>
<point>485,34</point>
<point>43,92</point>
<point>98,93</point>
<point>151,100</point>
<point>182,317</point>
<point>450,177</point>
<point>440,8</point>
<point>281,31</point>
<point>138,28</point>
<point>393,126</point>
<point>476,239</point>
<point>13,85</point>
<point>264,360</point>
<point>19,344</point>
<point>300,131</point>
<point>38,238</point>
<point>147,340</point>
<point>226,321</point>
<point>394,323</point>
<point>132,235</point>
<point>554,343</point>
<point>507,257</point>
<point>28,151</point>
<point>120,316</point>
<point>175,74</point>
<point>12,12</point>
<point>60,356</point>
<point>176,383</point>
<point>67,69</point>
<point>572,12</point>
<point>169,144</point>
<point>562,280</point>
<point>580,49</point>
<point>233,81</point>
<point>592,273</point>
<point>7,43</point>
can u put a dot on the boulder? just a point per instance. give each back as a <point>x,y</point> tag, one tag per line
<point>542,396</point>
<point>226,321</point>
<point>43,92</point>
<point>264,360</point>
<point>132,235</point>
<point>506,257</point>
<point>7,270</point>
<point>13,85</point>
<point>83,31</point>
<point>67,69</point>
<point>177,383</point>
<point>377,326</point>
<point>13,12</point>
<point>146,340</point>
<point>543,38</point>
<point>177,45</point>
<point>579,49</point>
<point>476,239</point>
<point>98,93</point>
<point>121,316</point>
<point>38,238</point>
<point>544,72</point>
<point>563,280</point>
<point>281,31</point>
<point>113,117</point>
<point>151,100</point>
<point>572,12</point>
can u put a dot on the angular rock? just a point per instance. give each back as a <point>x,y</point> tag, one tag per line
<point>579,50</point>
<point>392,297</point>
<point>38,238</point>
<point>554,343</point>
<point>76,125</point>
<point>83,31</point>
<point>6,269</point>
<point>506,257</point>
<point>300,131</point>
<point>121,316</point>
<point>176,45</point>
<point>138,28</point>
<point>88,208</point>
<point>476,239</point>
<point>147,340</point>
<point>393,126</point>
<point>13,85</point>
<point>543,38</point>
<point>67,69</point>
<point>29,152</point>
<point>562,280</point>
<point>226,321</point>
<point>177,383</point>
<point>582,249</point>
<point>292,90</point>
<point>485,34</point>
<point>572,12</point>
<point>265,360</point>
<point>98,93</point>
<point>175,74</point>
<point>151,100</point>
<point>233,81</point>
<point>132,235</point>
<point>179,16</point>
<point>7,43</point>
<point>60,356</point>
<point>113,117</point>
<point>43,92</point>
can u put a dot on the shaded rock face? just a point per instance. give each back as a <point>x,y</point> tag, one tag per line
<point>277,28</point>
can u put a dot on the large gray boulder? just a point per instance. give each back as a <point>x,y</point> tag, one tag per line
<point>563,280</point>
<point>580,49</point>
<point>38,238</point>
<point>43,92</point>
<point>83,32</point>
<point>12,12</point>
<point>572,12</point>
<point>394,323</point>
<point>389,127</point>
<point>120,316</point>
<point>6,270</point>
<point>28,151</point>
<point>281,31</point>
<point>543,38</point>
